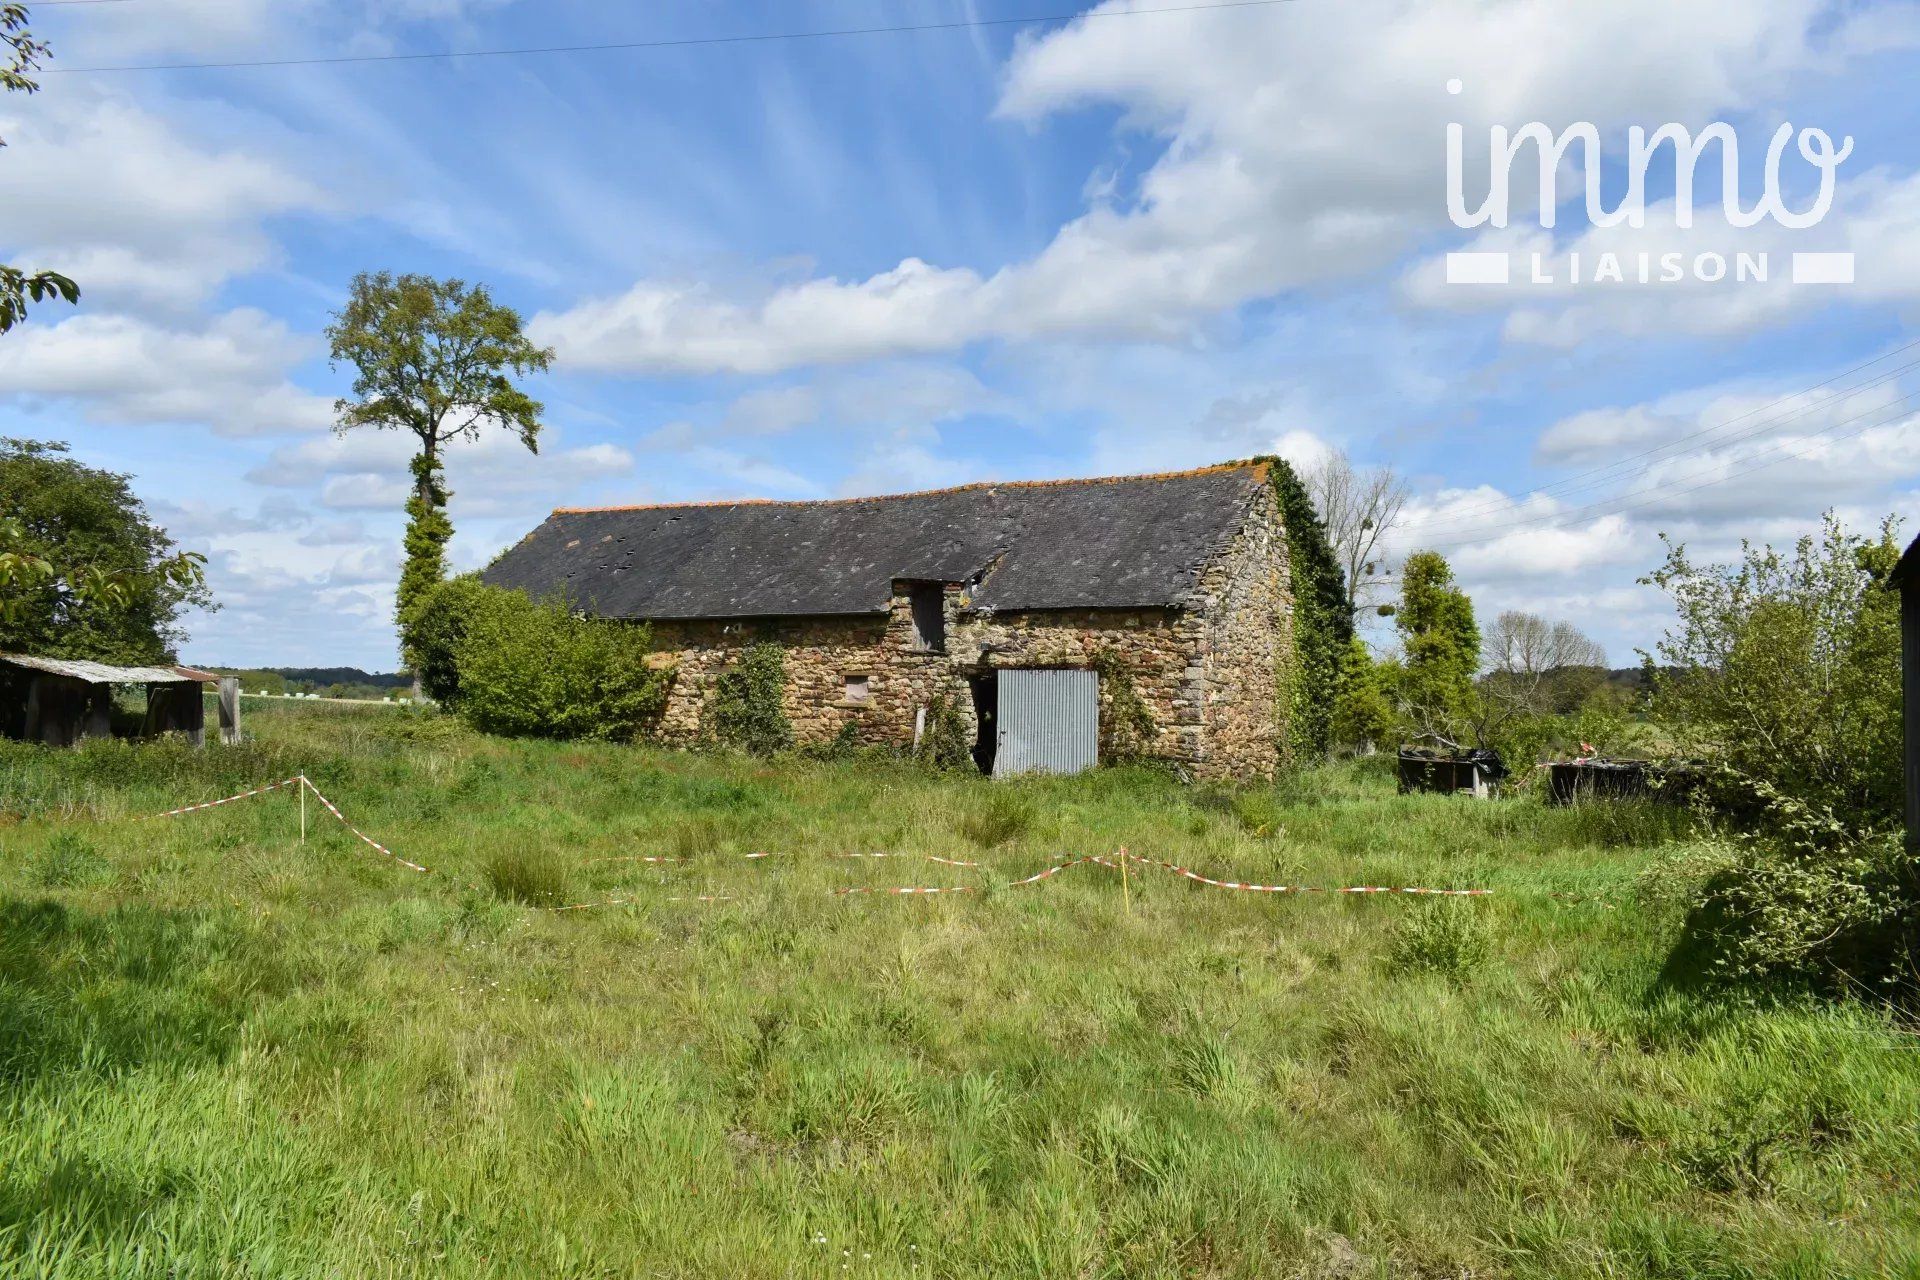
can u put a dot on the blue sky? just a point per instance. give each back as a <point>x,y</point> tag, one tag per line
<point>879,262</point>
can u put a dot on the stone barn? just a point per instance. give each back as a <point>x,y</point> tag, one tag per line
<point>1069,619</point>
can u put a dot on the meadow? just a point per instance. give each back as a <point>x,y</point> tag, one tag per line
<point>228,1052</point>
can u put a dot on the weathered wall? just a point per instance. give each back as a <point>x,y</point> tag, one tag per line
<point>1246,608</point>
<point>1207,674</point>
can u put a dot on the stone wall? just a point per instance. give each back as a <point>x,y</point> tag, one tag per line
<point>1247,606</point>
<point>1207,675</point>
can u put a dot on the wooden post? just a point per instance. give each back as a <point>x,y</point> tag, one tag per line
<point>230,709</point>
<point>1126,888</point>
<point>303,808</point>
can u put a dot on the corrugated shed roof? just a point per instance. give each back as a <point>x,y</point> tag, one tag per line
<point>101,673</point>
<point>1133,541</point>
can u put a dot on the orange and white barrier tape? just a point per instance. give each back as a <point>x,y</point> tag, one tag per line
<point>1056,870</point>
<point>904,890</point>
<point>215,804</point>
<point>843,893</point>
<point>1296,888</point>
<point>371,842</point>
<point>755,857</point>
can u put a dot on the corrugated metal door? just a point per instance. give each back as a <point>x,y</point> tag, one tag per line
<point>1049,722</point>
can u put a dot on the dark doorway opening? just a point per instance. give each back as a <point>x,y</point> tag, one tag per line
<point>986,714</point>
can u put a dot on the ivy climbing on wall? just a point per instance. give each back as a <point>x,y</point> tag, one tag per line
<point>1126,722</point>
<point>1322,629</point>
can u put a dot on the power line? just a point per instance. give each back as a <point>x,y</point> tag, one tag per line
<point>1662,493</point>
<point>1619,464</point>
<point>959,24</point>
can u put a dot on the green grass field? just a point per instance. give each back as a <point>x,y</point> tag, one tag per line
<point>227,1053</point>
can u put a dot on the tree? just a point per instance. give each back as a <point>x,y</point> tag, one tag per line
<point>1321,623</point>
<point>83,572</point>
<point>1540,667</point>
<point>1359,510</point>
<point>22,54</point>
<point>1363,714</point>
<point>1440,644</point>
<point>1785,668</point>
<point>433,359</point>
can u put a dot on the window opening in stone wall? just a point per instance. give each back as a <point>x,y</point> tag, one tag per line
<point>928,604</point>
<point>859,688</point>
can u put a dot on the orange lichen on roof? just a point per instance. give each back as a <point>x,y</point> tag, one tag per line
<point>1257,469</point>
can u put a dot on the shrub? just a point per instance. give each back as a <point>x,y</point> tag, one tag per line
<point>948,740</point>
<point>1448,938</point>
<point>1783,677</point>
<point>533,669</point>
<point>437,627</point>
<point>747,708</point>
<point>1828,912</point>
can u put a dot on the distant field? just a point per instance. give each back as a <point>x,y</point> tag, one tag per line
<point>226,1053</point>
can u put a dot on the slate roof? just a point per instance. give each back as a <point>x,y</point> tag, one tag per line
<point>1125,542</point>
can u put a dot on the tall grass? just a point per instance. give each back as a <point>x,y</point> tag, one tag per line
<point>226,1052</point>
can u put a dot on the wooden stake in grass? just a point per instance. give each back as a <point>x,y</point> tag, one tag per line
<point>1126,890</point>
<point>303,808</point>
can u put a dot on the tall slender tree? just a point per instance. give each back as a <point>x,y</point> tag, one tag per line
<point>438,359</point>
<point>1441,644</point>
<point>20,53</point>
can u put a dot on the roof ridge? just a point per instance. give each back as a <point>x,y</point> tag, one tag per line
<point>1256,467</point>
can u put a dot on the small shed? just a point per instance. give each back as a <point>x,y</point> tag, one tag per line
<point>1906,576</point>
<point>60,701</point>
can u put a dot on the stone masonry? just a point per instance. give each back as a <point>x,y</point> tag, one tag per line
<point>1209,674</point>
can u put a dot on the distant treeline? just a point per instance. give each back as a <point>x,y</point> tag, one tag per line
<point>328,682</point>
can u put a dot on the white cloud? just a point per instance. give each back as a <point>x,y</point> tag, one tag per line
<point>492,476</point>
<point>197,30</point>
<point>1302,144</point>
<point>229,374</point>
<point>117,198</point>
<point>1716,418</point>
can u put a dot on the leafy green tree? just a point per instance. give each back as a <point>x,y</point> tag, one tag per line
<point>1322,622</point>
<point>1440,645</point>
<point>1785,669</point>
<point>437,359</point>
<point>22,54</point>
<point>1363,711</point>
<point>83,572</point>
